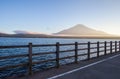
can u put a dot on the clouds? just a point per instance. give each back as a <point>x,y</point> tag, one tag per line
<point>2,33</point>
<point>24,32</point>
<point>28,32</point>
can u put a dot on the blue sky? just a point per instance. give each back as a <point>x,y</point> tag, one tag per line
<point>50,16</point>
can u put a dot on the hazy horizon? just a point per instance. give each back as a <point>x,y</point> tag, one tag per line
<point>78,30</point>
<point>52,16</point>
<point>31,32</point>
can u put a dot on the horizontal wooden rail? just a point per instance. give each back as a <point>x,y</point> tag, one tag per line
<point>107,46</point>
<point>101,50</point>
<point>67,44</point>
<point>107,49</point>
<point>66,57</point>
<point>83,49</point>
<point>43,53</point>
<point>93,43</point>
<point>113,48</point>
<point>93,52</point>
<point>101,46</point>
<point>82,54</point>
<point>67,50</point>
<point>39,62</point>
<point>102,42</point>
<point>113,45</point>
<point>20,46</point>
<point>93,48</point>
<point>43,45</point>
<point>82,43</point>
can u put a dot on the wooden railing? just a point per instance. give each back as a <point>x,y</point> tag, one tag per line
<point>105,47</point>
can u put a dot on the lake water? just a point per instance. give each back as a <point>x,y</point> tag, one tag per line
<point>25,41</point>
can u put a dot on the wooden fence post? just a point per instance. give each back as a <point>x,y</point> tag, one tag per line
<point>30,59</point>
<point>98,49</point>
<point>115,46</point>
<point>110,46</point>
<point>105,47</point>
<point>119,46</point>
<point>57,54</point>
<point>88,50</point>
<point>76,52</point>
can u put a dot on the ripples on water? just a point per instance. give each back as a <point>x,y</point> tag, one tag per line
<point>25,41</point>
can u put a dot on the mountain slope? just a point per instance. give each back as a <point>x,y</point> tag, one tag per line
<point>80,29</point>
<point>3,34</point>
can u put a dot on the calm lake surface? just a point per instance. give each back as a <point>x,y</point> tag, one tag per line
<point>25,41</point>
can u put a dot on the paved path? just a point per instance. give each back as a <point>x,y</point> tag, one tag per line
<point>104,67</point>
<point>108,68</point>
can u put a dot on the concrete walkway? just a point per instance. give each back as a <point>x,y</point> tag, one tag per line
<point>104,67</point>
<point>108,68</point>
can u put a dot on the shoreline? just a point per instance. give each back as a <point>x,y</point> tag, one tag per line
<point>63,37</point>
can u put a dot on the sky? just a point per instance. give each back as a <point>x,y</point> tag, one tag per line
<point>51,16</point>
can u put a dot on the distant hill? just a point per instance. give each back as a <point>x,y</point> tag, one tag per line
<point>3,34</point>
<point>81,30</point>
<point>30,35</point>
<point>24,34</point>
<point>77,31</point>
